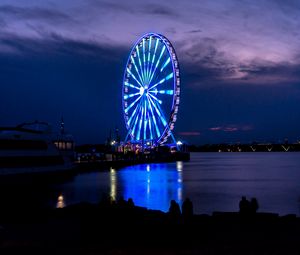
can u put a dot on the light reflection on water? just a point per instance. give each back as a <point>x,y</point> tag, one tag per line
<point>152,186</point>
<point>213,181</point>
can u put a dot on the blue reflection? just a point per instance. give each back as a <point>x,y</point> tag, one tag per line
<point>152,185</point>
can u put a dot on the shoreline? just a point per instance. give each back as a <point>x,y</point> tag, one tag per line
<point>107,228</point>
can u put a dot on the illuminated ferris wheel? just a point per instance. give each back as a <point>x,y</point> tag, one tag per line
<point>151,90</point>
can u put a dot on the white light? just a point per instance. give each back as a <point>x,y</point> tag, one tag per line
<point>142,91</point>
<point>179,143</point>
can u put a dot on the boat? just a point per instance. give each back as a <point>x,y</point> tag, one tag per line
<point>33,148</point>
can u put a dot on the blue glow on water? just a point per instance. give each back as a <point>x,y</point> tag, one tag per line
<point>152,185</point>
<point>213,181</point>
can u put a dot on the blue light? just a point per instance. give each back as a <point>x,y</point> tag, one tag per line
<point>136,121</point>
<point>139,58</point>
<point>140,125</point>
<point>165,64</point>
<point>158,113</point>
<point>130,85</point>
<point>157,63</point>
<point>149,120</point>
<point>157,40</point>
<point>133,114</point>
<point>147,87</point>
<point>133,77</point>
<point>149,51</point>
<point>153,58</point>
<point>131,95</point>
<point>136,69</point>
<point>132,104</point>
<point>145,120</point>
<point>144,58</point>
<point>169,76</point>
<point>153,117</point>
<point>154,97</point>
<point>168,92</point>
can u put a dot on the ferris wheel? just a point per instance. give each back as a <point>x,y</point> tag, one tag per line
<point>151,90</point>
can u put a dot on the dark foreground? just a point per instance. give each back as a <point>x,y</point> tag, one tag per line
<point>122,229</point>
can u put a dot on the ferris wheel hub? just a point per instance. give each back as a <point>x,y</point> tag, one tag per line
<point>142,90</point>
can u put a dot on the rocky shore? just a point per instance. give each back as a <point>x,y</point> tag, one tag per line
<point>110,228</point>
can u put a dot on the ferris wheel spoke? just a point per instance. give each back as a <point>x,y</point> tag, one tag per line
<point>133,76</point>
<point>157,63</point>
<point>139,58</point>
<point>149,56</point>
<point>167,92</point>
<point>130,85</point>
<point>132,104</point>
<point>159,112</point>
<point>155,98</point>
<point>131,95</point>
<point>137,108</point>
<point>168,77</point>
<point>150,128</point>
<point>136,69</point>
<point>140,124</point>
<point>153,117</point>
<point>136,118</point>
<point>165,64</point>
<point>153,59</point>
<point>144,59</point>
<point>145,119</point>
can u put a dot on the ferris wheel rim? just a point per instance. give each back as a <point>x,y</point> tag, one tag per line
<point>172,114</point>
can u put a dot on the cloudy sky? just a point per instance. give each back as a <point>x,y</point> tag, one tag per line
<point>239,60</point>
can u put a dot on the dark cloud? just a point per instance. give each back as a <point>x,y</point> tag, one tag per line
<point>161,10</point>
<point>139,8</point>
<point>206,65</point>
<point>33,13</point>
<point>56,44</point>
<point>239,64</point>
<point>194,31</point>
<point>57,76</point>
<point>189,133</point>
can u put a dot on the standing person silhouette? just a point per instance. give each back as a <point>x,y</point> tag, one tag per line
<point>253,205</point>
<point>187,208</point>
<point>174,210</point>
<point>244,206</point>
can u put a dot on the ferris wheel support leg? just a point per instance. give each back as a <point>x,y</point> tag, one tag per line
<point>127,136</point>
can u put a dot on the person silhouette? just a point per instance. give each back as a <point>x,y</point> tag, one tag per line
<point>244,206</point>
<point>187,208</point>
<point>130,202</point>
<point>253,205</point>
<point>174,209</point>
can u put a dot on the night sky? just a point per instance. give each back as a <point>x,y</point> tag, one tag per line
<point>239,60</point>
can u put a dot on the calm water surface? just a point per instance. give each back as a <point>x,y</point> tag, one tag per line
<point>213,181</point>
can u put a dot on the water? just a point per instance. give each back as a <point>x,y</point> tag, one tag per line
<point>213,181</point>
